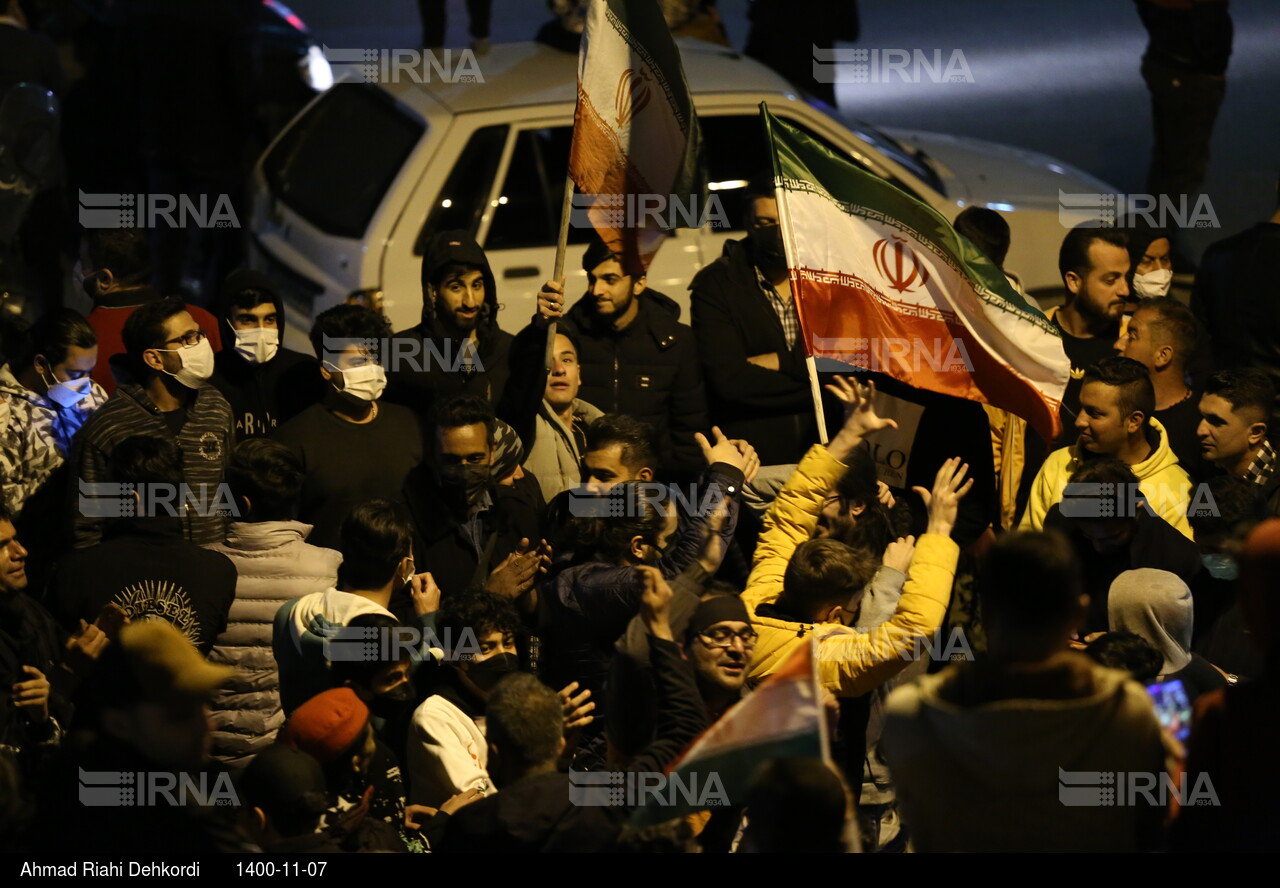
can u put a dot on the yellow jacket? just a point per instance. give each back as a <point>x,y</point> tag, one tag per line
<point>1162,481</point>
<point>850,663</point>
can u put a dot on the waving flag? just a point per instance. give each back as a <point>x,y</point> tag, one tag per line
<point>883,282</point>
<point>782,718</point>
<point>635,134</point>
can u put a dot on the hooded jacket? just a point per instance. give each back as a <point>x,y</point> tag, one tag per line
<point>206,440</point>
<point>299,635</point>
<point>262,396</point>
<point>1161,480</point>
<point>648,370</point>
<point>733,320</point>
<point>985,760</point>
<point>273,565</point>
<point>426,363</point>
<point>37,436</point>
<point>850,662</point>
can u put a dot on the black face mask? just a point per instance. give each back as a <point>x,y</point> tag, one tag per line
<point>389,705</point>
<point>486,674</point>
<point>466,484</point>
<point>766,243</point>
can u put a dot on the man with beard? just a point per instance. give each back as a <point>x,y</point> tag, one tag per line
<point>744,318</point>
<point>457,348</point>
<point>470,530</point>
<point>352,446</point>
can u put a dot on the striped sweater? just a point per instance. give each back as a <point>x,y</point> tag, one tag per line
<point>206,441</point>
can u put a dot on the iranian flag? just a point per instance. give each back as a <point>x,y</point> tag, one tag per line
<point>883,282</point>
<point>636,146</point>
<point>782,718</point>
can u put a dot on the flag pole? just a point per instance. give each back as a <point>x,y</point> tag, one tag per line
<point>815,388</point>
<point>566,207</point>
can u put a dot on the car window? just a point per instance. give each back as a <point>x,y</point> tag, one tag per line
<point>333,166</point>
<point>460,203</point>
<point>736,152</point>
<point>528,210</point>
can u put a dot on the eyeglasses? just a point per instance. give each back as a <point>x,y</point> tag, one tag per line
<point>723,637</point>
<point>195,337</point>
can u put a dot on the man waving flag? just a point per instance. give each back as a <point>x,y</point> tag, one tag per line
<point>883,282</point>
<point>636,145</point>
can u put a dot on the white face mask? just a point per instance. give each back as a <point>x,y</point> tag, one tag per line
<point>366,382</point>
<point>1153,284</point>
<point>257,345</point>
<point>197,364</point>
<point>67,394</point>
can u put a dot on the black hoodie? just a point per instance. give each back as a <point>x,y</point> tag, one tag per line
<point>262,396</point>
<point>425,363</point>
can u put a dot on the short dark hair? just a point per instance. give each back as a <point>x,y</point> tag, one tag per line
<point>823,573</point>
<point>144,328</point>
<point>54,334</point>
<point>1137,392</point>
<point>247,298</point>
<point>1176,323</point>
<point>1115,505</point>
<point>289,786</point>
<point>124,251</point>
<point>1239,506</point>
<point>524,720</point>
<point>482,612</point>
<point>363,672</point>
<point>1073,255</point>
<point>635,436</point>
<point>146,459</point>
<point>376,535</point>
<point>760,185</point>
<point>348,322</point>
<point>1030,580</point>
<point>1127,651</point>
<point>630,513</point>
<point>1103,471</point>
<point>1244,389</point>
<point>798,805</point>
<point>874,528</point>
<point>987,230</point>
<point>269,475</point>
<point>465,410</point>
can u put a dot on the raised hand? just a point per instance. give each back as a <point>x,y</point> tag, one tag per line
<point>750,459</point>
<point>860,417</point>
<point>723,451</point>
<point>517,572</point>
<point>550,302</point>
<point>577,709</point>
<point>898,554</point>
<point>655,605</point>
<point>943,503</point>
<point>425,594</point>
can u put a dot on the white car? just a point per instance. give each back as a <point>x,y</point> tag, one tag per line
<point>346,196</point>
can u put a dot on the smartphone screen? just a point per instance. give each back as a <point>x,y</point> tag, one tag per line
<point>1173,706</point>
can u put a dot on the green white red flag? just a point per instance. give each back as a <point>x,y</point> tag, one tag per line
<point>635,132</point>
<point>883,282</point>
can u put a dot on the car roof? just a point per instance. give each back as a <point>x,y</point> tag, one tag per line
<point>523,74</point>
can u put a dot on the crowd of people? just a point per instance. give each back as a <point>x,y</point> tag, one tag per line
<point>397,602</point>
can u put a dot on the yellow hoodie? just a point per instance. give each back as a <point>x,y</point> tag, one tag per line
<point>1162,481</point>
<point>850,663</point>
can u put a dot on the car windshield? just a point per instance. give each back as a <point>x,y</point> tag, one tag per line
<point>333,166</point>
<point>914,160</point>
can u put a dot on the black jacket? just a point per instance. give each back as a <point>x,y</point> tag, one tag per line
<point>30,637</point>
<point>1237,298</point>
<point>439,544</point>
<point>648,370</point>
<point>733,320</point>
<point>425,365</point>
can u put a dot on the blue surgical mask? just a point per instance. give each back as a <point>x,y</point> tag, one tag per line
<point>1221,567</point>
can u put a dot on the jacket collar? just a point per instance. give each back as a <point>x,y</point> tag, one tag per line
<point>253,536</point>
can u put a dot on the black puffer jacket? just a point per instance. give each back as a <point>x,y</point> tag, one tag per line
<point>425,364</point>
<point>648,370</point>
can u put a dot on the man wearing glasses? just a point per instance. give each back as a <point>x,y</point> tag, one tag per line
<point>170,358</point>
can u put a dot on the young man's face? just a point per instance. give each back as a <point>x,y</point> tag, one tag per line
<point>348,359</point>
<point>167,356</point>
<point>78,364</point>
<point>1226,435</point>
<point>1103,427</point>
<point>466,445</point>
<point>263,315</point>
<point>1107,536</point>
<point>1141,341</point>
<point>13,561</point>
<point>612,291</point>
<point>1156,257</point>
<point>605,468</point>
<point>1101,293</point>
<point>565,378</point>
<point>722,667</point>
<point>460,297</point>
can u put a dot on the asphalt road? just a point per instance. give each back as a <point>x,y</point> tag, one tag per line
<point>1053,76</point>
